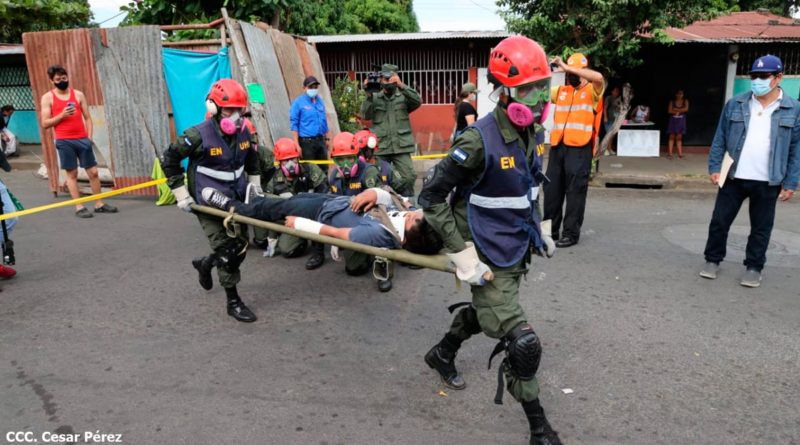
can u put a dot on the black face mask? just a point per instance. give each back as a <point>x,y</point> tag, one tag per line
<point>389,88</point>
<point>62,85</point>
<point>573,80</point>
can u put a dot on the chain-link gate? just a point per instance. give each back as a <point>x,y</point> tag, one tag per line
<point>15,88</point>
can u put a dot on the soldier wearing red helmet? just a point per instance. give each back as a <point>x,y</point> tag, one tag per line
<point>351,174</point>
<point>289,179</point>
<point>221,151</point>
<point>491,225</point>
<point>368,147</point>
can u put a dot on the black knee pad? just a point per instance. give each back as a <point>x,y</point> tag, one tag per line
<point>524,352</point>
<point>231,255</point>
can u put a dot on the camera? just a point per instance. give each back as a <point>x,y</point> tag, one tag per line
<point>373,82</point>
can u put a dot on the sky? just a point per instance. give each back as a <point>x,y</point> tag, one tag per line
<point>432,15</point>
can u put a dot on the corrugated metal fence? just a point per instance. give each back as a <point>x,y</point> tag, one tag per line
<point>135,100</point>
<point>120,72</point>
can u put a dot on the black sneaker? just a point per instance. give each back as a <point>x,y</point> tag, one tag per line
<point>215,198</point>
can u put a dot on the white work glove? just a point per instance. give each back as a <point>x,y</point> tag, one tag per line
<point>286,195</point>
<point>185,200</point>
<point>335,254</point>
<point>272,243</point>
<point>547,237</point>
<point>469,267</point>
<point>256,181</point>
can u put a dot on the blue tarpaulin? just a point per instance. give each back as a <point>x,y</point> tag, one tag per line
<point>189,76</point>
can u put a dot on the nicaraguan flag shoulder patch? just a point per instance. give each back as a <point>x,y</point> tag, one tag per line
<point>459,155</point>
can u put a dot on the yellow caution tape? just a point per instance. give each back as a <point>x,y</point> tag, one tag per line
<point>152,183</point>
<point>413,158</point>
<point>84,199</point>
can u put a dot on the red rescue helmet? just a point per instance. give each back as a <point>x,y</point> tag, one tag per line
<point>518,60</point>
<point>228,93</point>
<point>343,145</point>
<point>365,139</point>
<point>285,148</point>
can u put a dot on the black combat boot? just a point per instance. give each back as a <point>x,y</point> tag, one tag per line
<point>541,431</point>
<point>317,256</point>
<point>204,265</point>
<point>236,307</point>
<point>442,358</point>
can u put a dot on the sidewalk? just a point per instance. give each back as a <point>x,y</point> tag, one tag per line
<point>30,157</point>
<point>689,173</point>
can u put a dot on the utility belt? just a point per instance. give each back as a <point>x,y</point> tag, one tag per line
<point>221,175</point>
<point>313,138</point>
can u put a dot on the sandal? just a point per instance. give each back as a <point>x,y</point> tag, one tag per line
<point>105,208</point>
<point>669,157</point>
<point>83,213</point>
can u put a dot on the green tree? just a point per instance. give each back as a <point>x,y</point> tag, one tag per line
<point>347,97</point>
<point>302,17</point>
<point>612,31</point>
<point>20,16</point>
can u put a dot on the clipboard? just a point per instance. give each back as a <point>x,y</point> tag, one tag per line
<point>727,162</point>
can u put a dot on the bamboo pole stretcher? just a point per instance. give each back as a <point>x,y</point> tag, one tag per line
<point>436,262</point>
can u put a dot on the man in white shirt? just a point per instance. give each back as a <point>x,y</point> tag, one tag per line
<point>760,131</point>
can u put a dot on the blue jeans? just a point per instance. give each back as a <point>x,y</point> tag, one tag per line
<point>763,198</point>
<point>304,205</point>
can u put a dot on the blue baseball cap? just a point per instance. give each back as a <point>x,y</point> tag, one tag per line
<point>767,64</point>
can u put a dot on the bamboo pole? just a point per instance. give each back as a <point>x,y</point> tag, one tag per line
<point>435,262</point>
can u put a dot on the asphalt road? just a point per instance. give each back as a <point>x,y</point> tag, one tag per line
<point>105,329</point>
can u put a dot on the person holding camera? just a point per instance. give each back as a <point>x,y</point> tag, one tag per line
<point>388,110</point>
<point>65,110</point>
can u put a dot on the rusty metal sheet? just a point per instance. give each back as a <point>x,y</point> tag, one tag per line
<point>291,67</point>
<point>132,79</point>
<point>308,70</point>
<point>268,72</point>
<point>324,89</point>
<point>71,49</point>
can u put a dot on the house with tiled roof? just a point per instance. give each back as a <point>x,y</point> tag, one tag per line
<point>710,61</point>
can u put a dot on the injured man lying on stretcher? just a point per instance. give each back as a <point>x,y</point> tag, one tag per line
<point>361,219</point>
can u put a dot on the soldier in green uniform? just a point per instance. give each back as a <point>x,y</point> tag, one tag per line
<point>289,179</point>
<point>220,151</point>
<point>388,111</point>
<point>491,225</point>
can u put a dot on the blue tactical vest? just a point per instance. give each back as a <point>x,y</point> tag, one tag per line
<point>501,217</point>
<point>386,173</point>
<point>221,166</point>
<point>352,186</point>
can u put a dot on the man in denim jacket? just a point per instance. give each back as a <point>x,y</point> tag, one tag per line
<point>760,130</point>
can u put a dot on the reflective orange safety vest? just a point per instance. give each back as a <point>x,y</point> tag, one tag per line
<point>574,117</point>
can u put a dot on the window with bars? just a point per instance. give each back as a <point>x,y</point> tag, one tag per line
<point>15,88</point>
<point>789,54</point>
<point>437,74</point>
